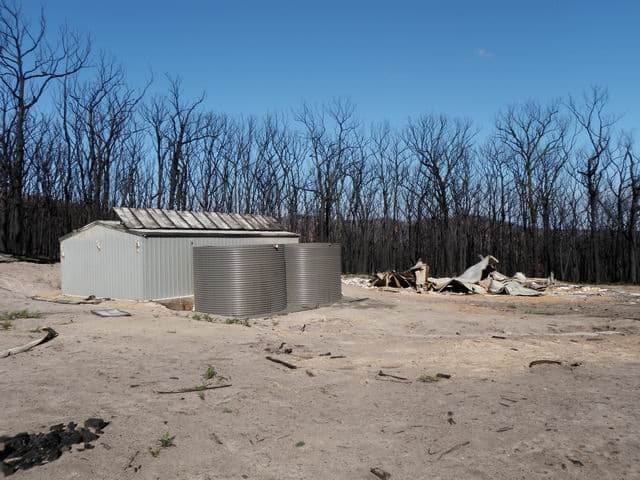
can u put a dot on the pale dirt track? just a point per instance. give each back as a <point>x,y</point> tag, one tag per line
<point>578,422</point>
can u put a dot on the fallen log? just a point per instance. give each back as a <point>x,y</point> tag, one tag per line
<point>194,389</point>
<point>454,448</point>
<point>281,362</point>
<point>51,334</point>
<point>380,473</point>
<point>385,379</point>
<point>382,374</point>
<point>544,362</point>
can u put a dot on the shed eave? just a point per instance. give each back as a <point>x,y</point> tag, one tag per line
<point>112,224</point>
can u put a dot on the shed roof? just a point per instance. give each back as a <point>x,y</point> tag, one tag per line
<point>161,219</point>
<point>154,222</point>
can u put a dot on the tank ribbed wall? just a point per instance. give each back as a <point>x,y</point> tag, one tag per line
<point>313,274</point>
<point>239,281</point>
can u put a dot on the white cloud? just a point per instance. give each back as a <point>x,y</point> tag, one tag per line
<point>484,53</point>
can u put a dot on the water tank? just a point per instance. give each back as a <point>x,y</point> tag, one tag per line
<point>313,274</point>
<point>239,281</point>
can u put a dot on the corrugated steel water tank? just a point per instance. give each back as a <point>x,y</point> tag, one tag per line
<point>239,281</point>
<point>313,274</point>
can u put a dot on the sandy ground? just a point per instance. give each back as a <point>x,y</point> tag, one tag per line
<point>495,418</point>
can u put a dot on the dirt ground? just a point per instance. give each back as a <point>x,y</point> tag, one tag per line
<point>334,418</point>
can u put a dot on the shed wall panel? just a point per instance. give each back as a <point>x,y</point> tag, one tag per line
<point>168,268</point>
<point>103,262</point>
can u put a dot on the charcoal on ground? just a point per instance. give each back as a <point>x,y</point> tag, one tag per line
<point>27,450</point>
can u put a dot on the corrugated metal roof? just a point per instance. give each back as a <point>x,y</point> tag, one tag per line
<point>180,232</point>
<point>161,219</point>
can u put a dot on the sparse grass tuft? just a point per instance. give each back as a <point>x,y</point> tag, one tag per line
<point>205,317</point>
<point>427,378</point>
<point>209,373</point>
<point>300,444</point>
<point>539,312</point>
<point>16,314</point>
<point>166,440</point>
<point>237,321</point>
<point>7,318</point>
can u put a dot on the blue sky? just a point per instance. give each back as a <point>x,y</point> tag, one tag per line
<point>394,59</point>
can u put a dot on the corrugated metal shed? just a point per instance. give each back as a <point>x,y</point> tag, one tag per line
<point>102,261</point>
<point>148,253</point>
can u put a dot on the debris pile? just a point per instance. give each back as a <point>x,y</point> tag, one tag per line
<point>394,279</point>
<point>356,281</point>
<point>415,277</point>
<point>69,300</point>
<point>26,450</point>
<point>481,278</point>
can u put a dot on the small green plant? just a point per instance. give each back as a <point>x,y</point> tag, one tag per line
<point>201,395</point>
<point>300,444</point>
<point>237,321</point>
<point>209,373</point>
<point>166,440</point>
<point>6,324</point>
<point>205,317</point>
